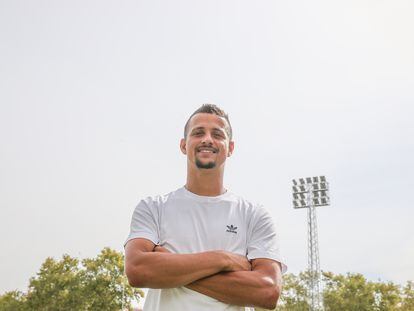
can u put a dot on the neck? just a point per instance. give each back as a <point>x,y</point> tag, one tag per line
<point>205,182</point>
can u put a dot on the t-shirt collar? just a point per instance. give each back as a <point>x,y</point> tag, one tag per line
<point>203,198</point>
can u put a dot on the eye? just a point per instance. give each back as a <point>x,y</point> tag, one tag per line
<point>198,133</point>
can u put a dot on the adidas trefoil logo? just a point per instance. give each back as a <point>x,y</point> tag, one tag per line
<point>231,229</point>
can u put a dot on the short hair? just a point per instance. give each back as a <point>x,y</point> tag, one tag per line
<point>212,109</point>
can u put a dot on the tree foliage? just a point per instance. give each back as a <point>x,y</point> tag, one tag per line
<point>294,296</point>
<point>12,301</point>
<point>408,297</point>
<point>350,292</point>
<point>69,284</point>
<point>354,292</point>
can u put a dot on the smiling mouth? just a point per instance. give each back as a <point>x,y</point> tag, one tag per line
<point>206,150</point>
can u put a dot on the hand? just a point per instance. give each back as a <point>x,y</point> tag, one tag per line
<point>237,262</point>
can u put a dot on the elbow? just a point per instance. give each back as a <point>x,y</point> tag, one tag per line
<point>270,297</point>
<point>137,277</point>
<point>135,282</point>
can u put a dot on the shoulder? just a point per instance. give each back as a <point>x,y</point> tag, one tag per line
<point>252,208</point>
<point>256,213</point>
<point>157,201</point>
<point>243,201</point>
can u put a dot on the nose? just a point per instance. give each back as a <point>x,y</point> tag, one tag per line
<point>207,139</point>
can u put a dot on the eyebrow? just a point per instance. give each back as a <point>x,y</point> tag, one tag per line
<point>197,128</point>
<point>203,128</point>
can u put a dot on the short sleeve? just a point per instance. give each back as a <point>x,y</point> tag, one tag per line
<point>144,223</point>
<point>263,241</point>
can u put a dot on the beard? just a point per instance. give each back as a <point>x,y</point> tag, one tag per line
<point>207,165</point>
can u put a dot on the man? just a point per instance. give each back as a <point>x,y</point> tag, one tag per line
<point>202,247</point>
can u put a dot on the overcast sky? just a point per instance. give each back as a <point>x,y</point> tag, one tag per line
<point>94,96</point>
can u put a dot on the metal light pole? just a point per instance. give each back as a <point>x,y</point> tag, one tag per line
<point>309,193</point>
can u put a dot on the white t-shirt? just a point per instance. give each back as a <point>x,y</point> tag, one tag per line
<point>184,223</point>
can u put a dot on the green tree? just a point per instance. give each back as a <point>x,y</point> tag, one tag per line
<point>354,293</point>
<point>57,286</point>
<point>69,284</point>
<point>351,292</point>
<point>13,301</point>
<point>387,296</point>
<point>104,283</point>
<point>407,297</point>
<point>294,295</point>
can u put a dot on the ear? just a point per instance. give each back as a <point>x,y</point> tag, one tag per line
<point>183,146</point>
<point>231,148</point>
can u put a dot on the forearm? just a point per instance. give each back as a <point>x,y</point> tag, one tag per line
<point>166,270</point>
<point>243,288</point>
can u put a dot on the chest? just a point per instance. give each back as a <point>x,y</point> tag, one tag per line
<point>198,227</point>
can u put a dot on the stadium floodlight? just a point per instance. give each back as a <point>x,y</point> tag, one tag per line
<point>309,193</point>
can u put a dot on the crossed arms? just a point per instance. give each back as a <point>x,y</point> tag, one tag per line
<point>227,277</point>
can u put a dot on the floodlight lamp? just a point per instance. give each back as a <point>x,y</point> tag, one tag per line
<point>310,192</point>
<point>300,204</point>
<point>299,189</point>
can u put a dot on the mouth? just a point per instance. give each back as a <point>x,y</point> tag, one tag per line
<point>206,150</point>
